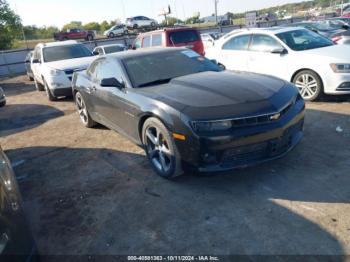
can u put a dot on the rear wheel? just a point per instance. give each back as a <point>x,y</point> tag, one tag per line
<point>309,85</point>
<point>111,35</point>
<point>83,112</point>
<point>160,149</point>
<point>90,38</point>
<point>153,24</point>
<point>3,103</point>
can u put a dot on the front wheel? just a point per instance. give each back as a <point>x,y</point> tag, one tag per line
<point>38,86</point>
<point>160,149</point>
<point>309,85</point>
<point>89,38</point>
<point>49,94</point>
<point>83,112</point>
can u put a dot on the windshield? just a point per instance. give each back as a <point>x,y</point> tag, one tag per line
<point>299,40</point>
<point>162,67</point>
<point>114,49</point>
<point>56,53</point>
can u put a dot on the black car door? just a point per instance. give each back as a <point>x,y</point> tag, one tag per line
<point>112,103</point>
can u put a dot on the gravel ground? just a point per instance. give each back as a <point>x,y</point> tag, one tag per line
<point>91,191</point>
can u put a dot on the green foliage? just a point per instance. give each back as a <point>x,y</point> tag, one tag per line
<point>33,32</point>
<point>71,25</point>
<point>92,26</point>
<point>193,20</point>
<point>171,21</point>
<point>10,26</point>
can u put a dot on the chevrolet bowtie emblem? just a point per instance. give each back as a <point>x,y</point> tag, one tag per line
<point>275,116</point>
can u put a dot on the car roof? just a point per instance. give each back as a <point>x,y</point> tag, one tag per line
<point>62,43</point>
<point>146,51</point>
<point>103,46</point>
<point>269,30</point>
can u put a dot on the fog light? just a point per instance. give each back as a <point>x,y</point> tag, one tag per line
<point>345,85</point>
<point>209,158</point>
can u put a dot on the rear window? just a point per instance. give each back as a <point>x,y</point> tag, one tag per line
<point>183,37</point>
<point>114,49</point>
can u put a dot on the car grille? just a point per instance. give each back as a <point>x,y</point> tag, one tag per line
<point>244,155</point>
<point>69,73</point>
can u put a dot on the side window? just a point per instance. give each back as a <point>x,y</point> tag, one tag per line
<point>237,43</point>
<point>37,54</point>
<point>108,69</point>
<point>92,69</point>
<point>100,51</point>
<point>264,43</point>
<point>157,40</point>
<point>146,41</point>
<point>137,43</point>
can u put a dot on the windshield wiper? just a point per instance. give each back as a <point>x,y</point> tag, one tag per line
<point>156,82</point>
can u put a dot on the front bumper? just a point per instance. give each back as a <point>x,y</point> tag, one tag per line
<point>246,145</point>
<point>60,85</point>
<point>337,84</point>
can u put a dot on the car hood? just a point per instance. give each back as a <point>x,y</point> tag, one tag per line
<point>76,63</point>
<point>217,95</point>
<point>334,52</point>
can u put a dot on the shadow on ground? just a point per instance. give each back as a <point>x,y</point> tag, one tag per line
<point>106,201</point>
<point>19,117</point>
<point>13,88</point>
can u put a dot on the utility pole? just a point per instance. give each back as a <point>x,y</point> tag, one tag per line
<point>216,11</point>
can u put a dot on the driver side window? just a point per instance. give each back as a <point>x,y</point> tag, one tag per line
<point>264,43</point>
<point>239,43</point>
<point>109,69</point>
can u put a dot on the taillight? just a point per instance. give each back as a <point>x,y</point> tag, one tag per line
<point>336,39</point>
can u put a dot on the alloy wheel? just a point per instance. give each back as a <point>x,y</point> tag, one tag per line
<point>83,114</point>
<point>307,85</point>
<point>158,149</point>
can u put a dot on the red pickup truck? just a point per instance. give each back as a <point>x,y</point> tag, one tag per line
<point>75,33</point>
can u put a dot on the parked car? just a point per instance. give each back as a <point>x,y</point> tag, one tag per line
<point>336,24</point>
<point>323,29</point>
<point>27,62</point>
<point>209,39</point>
<point>171,37</point>
<point>140,21</point>
<point>187,113</point>
<point>342,38</point>
<point>2,98</point>
<point>116,31</point>
<point>53,65</point>
<point>75,33</point>
<point>16,240</point>
<point>312,62</point>
<point>109,49</point>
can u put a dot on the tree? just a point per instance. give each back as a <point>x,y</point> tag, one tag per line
<point>92,26</point>
<point>171,21</point>
<point>10,26</point>
<point>71,25</point>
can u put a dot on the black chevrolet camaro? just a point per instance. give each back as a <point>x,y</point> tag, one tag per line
<point>187,112</point>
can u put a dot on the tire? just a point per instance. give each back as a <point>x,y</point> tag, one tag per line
<point>90,37</point>
<point>39,87</point>
<point>160,149</point>
<point>111,35</point>
<point>49,94</point>
<point>309,84</point>
<point>84,115</point>
<point>30,78</point>
<point>3,103</point>
<point>153,24</point>
<point>135,26</point>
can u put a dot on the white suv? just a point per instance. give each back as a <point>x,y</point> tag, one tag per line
<point>53,65</point>
<point>115,31</point>
<point>140,21</point>
<point>312,62</point>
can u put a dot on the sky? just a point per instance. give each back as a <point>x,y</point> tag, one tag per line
<point>60,12</point>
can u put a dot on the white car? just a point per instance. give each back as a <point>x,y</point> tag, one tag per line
<point>140,21</point>
<point>312,62</point>
<point>109,49</point>
<point>209,39</point>
<point>116,30</point>
<point>53,65</point>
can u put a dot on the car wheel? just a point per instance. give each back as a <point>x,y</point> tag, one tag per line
<point>83,112</point>
<point>135,26</point>
<point>160,149</point>
<point>309,85</point>
<point>111,35</point>
<point>153,24</point>
<point>89,38</point>
<point>3,103</point>
<point>49,94</point>
<point>39,86</point>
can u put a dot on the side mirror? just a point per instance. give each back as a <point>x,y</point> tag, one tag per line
<point>112,82</point>
<point>281,51</point>
<point>36,61</point>
<point>95,53</point>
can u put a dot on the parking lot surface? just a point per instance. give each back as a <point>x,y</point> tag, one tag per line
<point>91,191</point>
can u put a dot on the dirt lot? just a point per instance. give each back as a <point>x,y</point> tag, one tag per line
<point>90,191</point>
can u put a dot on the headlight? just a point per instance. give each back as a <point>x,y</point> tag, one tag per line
<point>209,126</point>
<point>340,68</point>
<point>55,72</point>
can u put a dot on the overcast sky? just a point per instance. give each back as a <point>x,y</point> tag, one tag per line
<point>60,12</point>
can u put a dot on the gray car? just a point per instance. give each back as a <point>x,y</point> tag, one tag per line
<point>2,98</point>
<point>28,66</point>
